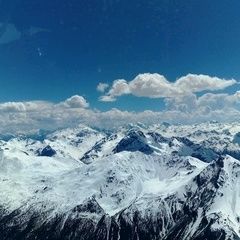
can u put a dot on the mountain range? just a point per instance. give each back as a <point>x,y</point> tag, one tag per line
<point>136,182</point>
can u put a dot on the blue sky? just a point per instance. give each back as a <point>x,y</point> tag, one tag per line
<point>82,43</point>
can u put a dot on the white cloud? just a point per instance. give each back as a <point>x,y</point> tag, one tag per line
<point>157,86</point>
<point>119,87</point>
<point>102,87</point>
<point>13,106</point>
<point>76,102</point>
<point>107,98</point>
<point>198,83</point>
<point>25,116</point>
<point>24,106</point>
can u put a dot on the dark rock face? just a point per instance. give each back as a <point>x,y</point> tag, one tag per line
<point>48,151</point>
<point>134,141</point>
<point>90,155</point>
<point>198,151</point>
<point>158,138</point>
<point>233,153</point>
<point>75,227</point>
<point>236,138</point>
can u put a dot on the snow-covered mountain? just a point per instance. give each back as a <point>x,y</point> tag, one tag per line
<point>133,183</point>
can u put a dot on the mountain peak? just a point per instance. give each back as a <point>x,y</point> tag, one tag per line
<point>134,141</point>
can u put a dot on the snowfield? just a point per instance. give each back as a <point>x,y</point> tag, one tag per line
<point>136,182</point>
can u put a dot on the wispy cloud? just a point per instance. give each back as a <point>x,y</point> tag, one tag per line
<point>9,33</point>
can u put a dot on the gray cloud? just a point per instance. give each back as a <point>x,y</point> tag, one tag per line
<point>211,101</point>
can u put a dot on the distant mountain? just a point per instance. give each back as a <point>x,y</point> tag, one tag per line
<point>133,183</point>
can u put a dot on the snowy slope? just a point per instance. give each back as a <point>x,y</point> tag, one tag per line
<point>135,182</point>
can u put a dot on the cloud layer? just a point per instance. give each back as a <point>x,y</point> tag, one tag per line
<point>157,86</point>
<point>22,117</point>
<point>182,105</point>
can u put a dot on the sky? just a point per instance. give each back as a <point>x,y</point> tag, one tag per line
<point>119,57</point>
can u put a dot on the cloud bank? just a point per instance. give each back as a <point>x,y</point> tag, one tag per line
<point>182,105</point>
<point>22,117</point>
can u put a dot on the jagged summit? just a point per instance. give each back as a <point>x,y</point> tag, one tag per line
<point>132,142</point>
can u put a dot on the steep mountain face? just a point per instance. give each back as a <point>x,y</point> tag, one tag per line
<point>133,183</point>
<point>134,141</point>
